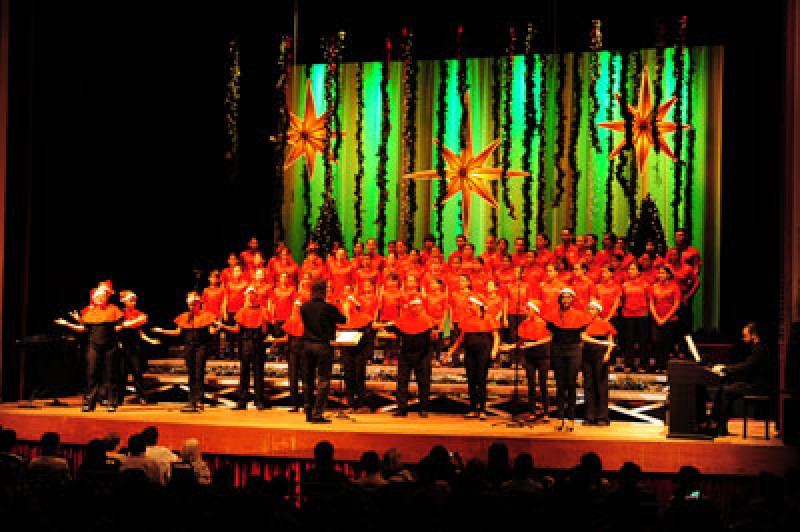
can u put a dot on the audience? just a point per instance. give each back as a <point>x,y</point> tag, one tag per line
<point>50,463</point>
<point>137,459</point>
<point>158,453</point>
<point>190,454</point>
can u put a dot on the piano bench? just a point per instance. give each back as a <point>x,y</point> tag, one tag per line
<point>755,400</point>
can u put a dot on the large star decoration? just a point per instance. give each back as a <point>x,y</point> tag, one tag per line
<point>307,136</point>
<point>642,118</point>
<point>465,173</point>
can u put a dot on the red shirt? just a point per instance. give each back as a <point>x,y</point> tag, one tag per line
<point>294,326</point>
<point>263,293</point>
<point>198,321</point>
<point>665,296</point>
<point>691,257</point>
<point>533,329</point>
<point>495,305</point>
<point>519,259</point>
<point>410,324</point>
<point>505,278</point>
<point>340,276</point>
<point>247,259</point>
<point>291,268</point>
<point>234,294</point>
<point>369,304</point>
<point>572,253</point>
<point>544,257</point>
<point>600,327</point>
<point>607,295</point>
<point>477,324</point>
<point>212,297</point>
<point>134,314</point>
<point>94,314</point>
<point>391,301</point>
<point>456,253</point>
<point>283,298</point>
<point>436,305</point>
<point>518,296</point>
<point>569,319</point>
<point>635,298</point>
<point>584,292</point>
<point>549,293</point>
<point>458,303</point>
<point>252,318</point>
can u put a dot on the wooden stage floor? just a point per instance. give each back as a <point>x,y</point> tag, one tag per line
<point>279,433</point>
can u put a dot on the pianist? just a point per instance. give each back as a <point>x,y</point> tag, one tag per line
<point>753,375</point>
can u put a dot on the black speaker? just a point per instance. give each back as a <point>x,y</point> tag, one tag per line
<point>791,421</point>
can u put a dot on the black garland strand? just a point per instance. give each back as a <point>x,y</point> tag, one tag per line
<point>577,90</point>
<point>306,191</point>
<point>337,95</point>
<point>562,119</point>
<point>687,201</point>
<point>410,130</point>
<point>232,94</point>
<point>657,92</point>
<point>594,70</point>
<point>497,80</point>
<point>383,155</point>
<point>359,177</point>
<point>530,128</point>
<point>633,175</point>
<point>441,131</point>
<point>282,106</point>
<point>330,75</point>
<point>678,168</point>
<point>506,164</point>
<point>610,116</point>
<point>461,87</point>
<point>623,93</point>
<point>541,184</point>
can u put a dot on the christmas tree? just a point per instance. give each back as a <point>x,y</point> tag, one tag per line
<point>329,228</point>
<point>647,227</point>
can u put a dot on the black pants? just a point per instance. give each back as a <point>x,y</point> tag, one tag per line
<point>477,358</point>
<point>420,363</point>
<point>510,334</point>
<point>664,339</point>
<point>131,362</point>
<point>101,364</point>
<point>595,383</point>
<point>317,366</point>
<point>354,365</point>
<point>251,356</point>
<point>537,366</point>
<point>195,355</point>
<point>724,397</point>
<point>565,360</point>
<point>635,340</point>
<point>295,355</point>
<point>230,344</point>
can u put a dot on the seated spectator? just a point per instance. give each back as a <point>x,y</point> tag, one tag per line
<point>630,506</point>
<point>689,508</point>
<point>160,454</point>
<point>11,464</point>
<point>371,474</point>
<point>95,459</point>
<point>137,459</point>
<point>190,454</point>
<point>49,462</point>
<point>393,469</point>
<point>323,471</point>
<point>498,466</point>
<point>112,441</point>
<point>522,477</point>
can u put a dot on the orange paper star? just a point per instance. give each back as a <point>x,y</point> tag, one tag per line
<point>307,136</point>
<point>642,125</point>
<point>465,173</point>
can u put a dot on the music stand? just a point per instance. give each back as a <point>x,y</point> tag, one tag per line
<point>345,338</point>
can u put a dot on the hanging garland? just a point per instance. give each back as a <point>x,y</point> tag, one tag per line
<point>497,81</point>
<point>383,155</point>
<point>594,69</point>
<point>337,93</point>
<point>628,185</point>
<point>562,119</point>
<point>307,191</point>
<point>687,202</point>
<point>530,127</point>
<point>678,168</point>
<point>441,130</point>
<point>359,177</point>
<point>610,116</point>
<point>410,129</point>
<point>657,92</point>
<point>282,105</point>
<point>506,165</point>
<point>541,185</point>
<point>232,94</point>
<point>461,78</point>
<point>331,73</point>
<point>577,89</point>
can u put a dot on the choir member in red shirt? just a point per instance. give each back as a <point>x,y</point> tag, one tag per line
<point>372,252</point>
<point>480,338</point>
<point>233,260</point>
<point>544,255</point>
<point>502,247</point>
<point>99,320</point>
<point>263,289</point>
<point>622,249</point>
<point>391,299</point>
<point>550,288</point>
<point>286,264</point>
<point>595,366</point>
<point>273,260</point>
<point>472,265</point>
<point>368,271</point>
<point>437,304</point>
<point>567,249</point>
<point>414,265</point>
<point>490,256</point>
<point>518,293</point>
<point>358,253</point>
<point>340,271</point>
<point>293,328</point>
<point>131,342</point>
<point>688,255</point>
<point>428,243</point>
<point>496,303</point>
<point>390,266</point>
<point>608,293</point>
<point>214,294</point>
<point>635,319</point>
<point>665,300</point>
<point>369,299</point>
<point>505,273</point>
<point>196,326</point>
<point>520,255</point>
<point>534,341</point>
<point>304,288</point>
<point>689,282</point>
<point>603,256</point>
<point>416,330</point>
<point>234,292</point>
<point>354,358</point>
<point>453,275</point>
<point>461,240</point>
<point>315,266</point>
<point>411,289</point>
<point>459,303</point>
<point>248,255</point>
<point>251,322</point>
<point>283,296</point>
<point>647,269</point>
<point>582,286</point>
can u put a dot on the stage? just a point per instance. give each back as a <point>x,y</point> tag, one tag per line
<point>282,434</point>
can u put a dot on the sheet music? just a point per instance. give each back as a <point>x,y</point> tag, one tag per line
<point>692,349</point>
<point>348,337</point>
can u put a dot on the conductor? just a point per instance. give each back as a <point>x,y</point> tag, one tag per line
<point>319,330</point>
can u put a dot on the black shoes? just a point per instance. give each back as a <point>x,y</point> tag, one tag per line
<point>400,413</point>
<point>112,408</point>
<point>87,408</point>
<point>320,420</point>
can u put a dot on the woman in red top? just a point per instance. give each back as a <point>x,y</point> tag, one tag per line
<point>608,293</point>
<point>437,306</point>
<point>416,330</point>
<point>251,325</point>
<point>544,255</point>
<point>665,301</point>
<point>459,303</point>
<point>582,286</point>
<point>635,319</point>
<point>283,297</point>
<point>197,327</point>
<point>315,266</point>
<point>263,289</point>
<point>131,342</point>
<point>534,340</point>
<point>472,265</point>
<point>518,293</point>
<point>453,277</point>
<point>99,320</point>
<point>550,288</point>
<point>293,328</point>
<point>367,271</point>
<point>481,340</point>
<point>391,299</point>
<point>286,264</point>
<point>340,270</point>
<point>369,299</point>
<point>595,366</point>
<point>214,294</point>
<point>504,273</point>
<point>414,265</point>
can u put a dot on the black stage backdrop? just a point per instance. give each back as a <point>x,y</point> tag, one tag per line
<point>116,165</point>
